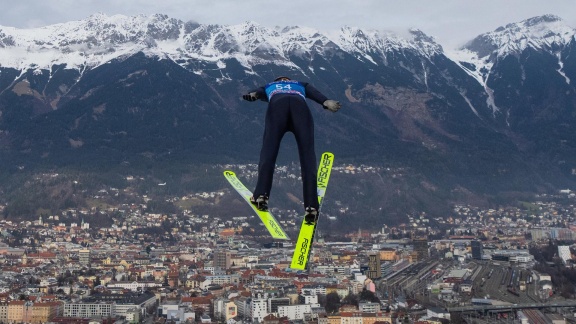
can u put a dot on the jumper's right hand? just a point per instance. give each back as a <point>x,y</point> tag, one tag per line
<point>250,97</point>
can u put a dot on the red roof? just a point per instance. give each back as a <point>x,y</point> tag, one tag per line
<point>17,302</point>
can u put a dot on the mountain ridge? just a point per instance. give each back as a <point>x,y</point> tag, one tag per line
<point>184,40</point>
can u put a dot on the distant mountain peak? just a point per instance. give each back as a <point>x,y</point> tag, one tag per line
<point>426,42</point>
<point>541,32</point>
<point>549,18</point>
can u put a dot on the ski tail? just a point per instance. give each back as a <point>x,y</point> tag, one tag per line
<point>266,217</point>
<point>306,236</point>
<point>324,172</point>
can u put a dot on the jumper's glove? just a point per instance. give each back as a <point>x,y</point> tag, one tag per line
<point>250,97</point>
<point>332,105</point>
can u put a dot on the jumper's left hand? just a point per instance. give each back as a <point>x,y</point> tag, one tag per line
<point>332,105</point>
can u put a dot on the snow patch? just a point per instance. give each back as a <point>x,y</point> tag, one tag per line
<point>561,68</point>
<point>463,94</point>
<point>478,68</point>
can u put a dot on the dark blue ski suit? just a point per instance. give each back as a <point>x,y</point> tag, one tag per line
<point>288,112</point>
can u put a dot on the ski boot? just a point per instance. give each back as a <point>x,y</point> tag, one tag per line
<point>311,215</point>
<point>261,202</point>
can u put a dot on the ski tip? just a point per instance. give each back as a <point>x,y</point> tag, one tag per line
<point>229,173</point>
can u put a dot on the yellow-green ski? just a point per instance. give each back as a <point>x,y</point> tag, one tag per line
<point>306,236</point>
<point>265,216</point>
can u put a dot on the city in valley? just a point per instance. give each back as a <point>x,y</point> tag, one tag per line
<point>476,265</point>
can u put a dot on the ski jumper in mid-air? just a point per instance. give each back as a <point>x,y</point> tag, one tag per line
<point>288,112</point>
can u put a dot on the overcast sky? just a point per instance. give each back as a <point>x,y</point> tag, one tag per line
<point>452,22</point>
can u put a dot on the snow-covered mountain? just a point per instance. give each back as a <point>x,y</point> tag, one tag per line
<point>544,34</point>
<point>89,43</point>
<point>100,38</point>
<point>548,32</point>
<point>495,115</point>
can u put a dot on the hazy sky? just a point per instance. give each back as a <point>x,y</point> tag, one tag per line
<point>452,22</point>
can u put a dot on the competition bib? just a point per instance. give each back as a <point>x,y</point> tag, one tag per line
<point>288,87</point>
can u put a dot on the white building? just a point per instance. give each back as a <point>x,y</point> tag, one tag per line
<point>243,307</point>
<point>84,257</point>
<point>318,290</point>
<point>258,309</point>
<point>175,312</point>
<point>294,312</point>
<point>48,282</point>
<point>224,309</point>
<point>133,285</point>
<point>133,315</point>
<point>89,310</point>
<point>105,305</point>
<point>520,256</point>
<point>4,312</point>
<point>360,277</point>
<point>369,307</point>
<point>222,280</point>
<point>564,253</point>
<point>308,299</point>
<point>356,287</point>
<point>333,269</point>
<point>544,276</point>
